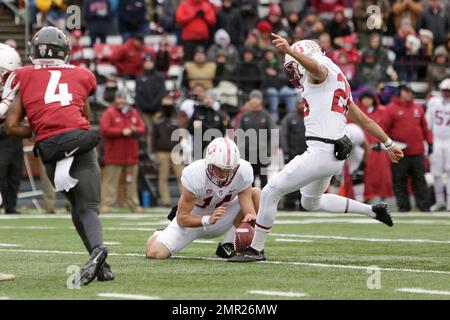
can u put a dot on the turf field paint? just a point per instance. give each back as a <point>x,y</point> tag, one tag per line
<point>278,293</point>
<point>126,296</point>
<point>424,291</point>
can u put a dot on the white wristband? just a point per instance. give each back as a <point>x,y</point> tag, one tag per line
<point>389,143</point>
<point>205,221</point>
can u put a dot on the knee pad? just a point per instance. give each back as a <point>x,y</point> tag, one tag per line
<point>310,203</point>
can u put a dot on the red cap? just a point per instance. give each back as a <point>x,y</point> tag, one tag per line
<point>275,10</point>
<point>264,26</point>
<point>339,9</point>
<point>349,39</point>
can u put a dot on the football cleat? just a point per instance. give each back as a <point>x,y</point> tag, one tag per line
<point>91,269</point>
<point>105,273</point>
<point>383,213</point>
<point>248,255</point>
<point>438,206</point>
<point>225,250</point>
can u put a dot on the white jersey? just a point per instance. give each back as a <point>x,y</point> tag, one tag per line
<point>438,117</point>
<point>326,104</point>
<point>357,137</point>
<point>209,195</point>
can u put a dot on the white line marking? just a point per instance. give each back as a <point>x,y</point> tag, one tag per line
<point>292,240</point>
<point>332,220</point>
<point>111,243</point>
<point>305,264</point>
<point>278,293</point>
<point>72,228</point>
<point>204,241</point>
<point>10,245</point>
<point>126,296</point>
<point>141,224</point>
<point>425,291</point>
<point>4,298</point>
<point>313,236</point>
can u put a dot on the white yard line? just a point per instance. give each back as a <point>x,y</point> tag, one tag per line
<point>304,264</point>
<point>205,241</point>
<point>424,291</point>
<point>10,245</point>
<point>313,236</point>
<point>292,240</point>
<point>278,293</point>
<point>72,228</point>
<point>4,298</point>
<point>126,296</point>
<point>140,224</point>
<point>112,243</point>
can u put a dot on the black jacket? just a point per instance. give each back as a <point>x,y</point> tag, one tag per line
<point>249,76</point>
<point>150,89</point>
<point>292,134</point>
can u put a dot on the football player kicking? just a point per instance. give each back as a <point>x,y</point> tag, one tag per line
<point>328,100</point>
<point>53,95</point>
<point>217,197</point>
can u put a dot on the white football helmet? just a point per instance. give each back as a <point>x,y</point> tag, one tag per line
<point>294,69</point>
<point>9,59</point>
<point>222,153</point>
<point>445,84</point>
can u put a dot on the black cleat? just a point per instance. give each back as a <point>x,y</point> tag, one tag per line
<point>92,267</point>
<point>383,213</point>
<point>105,273</point>
<point>225,250</point>
<point>249,255</point>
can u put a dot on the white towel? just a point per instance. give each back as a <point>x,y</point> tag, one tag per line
<point>63,180</point>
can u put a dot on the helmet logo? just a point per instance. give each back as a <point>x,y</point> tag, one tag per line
<point>50,52</point>
<point>212,149</point>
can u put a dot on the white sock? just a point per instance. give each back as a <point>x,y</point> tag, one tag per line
<point>439,189</point>
<point>229,237</point>
<point>338,204</point>
<point>259,238</point>
<point>358,191</point>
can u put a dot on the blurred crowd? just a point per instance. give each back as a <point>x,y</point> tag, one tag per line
<point>187,63</point>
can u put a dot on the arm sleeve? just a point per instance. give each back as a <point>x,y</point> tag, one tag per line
<point>426,131</point>
<point>9,93</point>
<point>246,174</point>
<point>183,16</point>
<point>429,115</point>
<point>140,126</point>
<point>188,181</point>
<point>210,15</point>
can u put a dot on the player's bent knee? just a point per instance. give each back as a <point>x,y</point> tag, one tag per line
<point>310,204</point>
<point>156,250</point>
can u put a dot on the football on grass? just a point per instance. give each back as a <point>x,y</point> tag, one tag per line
<point>243,237</point>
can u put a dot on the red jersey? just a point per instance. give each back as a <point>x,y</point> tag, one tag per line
<point>54,97</point>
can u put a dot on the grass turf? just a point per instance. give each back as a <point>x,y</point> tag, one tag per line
<point>324,268</point>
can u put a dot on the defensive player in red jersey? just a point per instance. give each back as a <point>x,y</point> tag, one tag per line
<point>53,95</point>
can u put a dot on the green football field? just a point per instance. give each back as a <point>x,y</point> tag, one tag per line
<point>310,256</point>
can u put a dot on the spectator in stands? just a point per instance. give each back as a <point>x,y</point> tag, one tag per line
<point>292,25</point>
<point>98,17</point>
<point>150,89</point>
<point>248,73</point>
<point>293,143</point>
<point>265,29</point>
<point>165,124</point>
<point>200,70</point>
<point>347,67</point>
<point>252,43</point>
<point>339,26</point>
<point>325,8</point>
<point>381,53</point>
<point>162,60</point>
<point>367,22</point>
<point>258,119</point>
<point>195,96</point>
<point>222,42</point>
<point>410,9</point>
<point>166,18</point>
<point>132,18</point>
<point>377,174</point>
<point>76,54</point>
<point>435,19</point>
<point>196,17</point>
<point>128,58</point>
<point>120,126</point>
<point>425,52</point>
<point>325,43</point>
<point>369,72</point>
<point>276,85</point>
<point>353,54</point>
<point>207,116</point>
<point>249,14</point>
<point>307,23</point>
<point>404,121</point>
<point>229,19</point>
<point>438,69</point>
<point>53,11</point>
<point>225,79</point>
<point>406,48</point>
<point>274,17</point>
<point>11,160</point>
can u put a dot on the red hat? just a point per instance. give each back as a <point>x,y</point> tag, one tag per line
<point>339,9</point>
<point>264,26</point>
<point>275,10</point>
<point>349,39</point>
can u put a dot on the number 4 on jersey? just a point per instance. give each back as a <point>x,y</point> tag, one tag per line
<point>63,97</point>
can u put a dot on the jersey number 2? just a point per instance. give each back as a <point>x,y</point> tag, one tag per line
<point>63,97</point>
